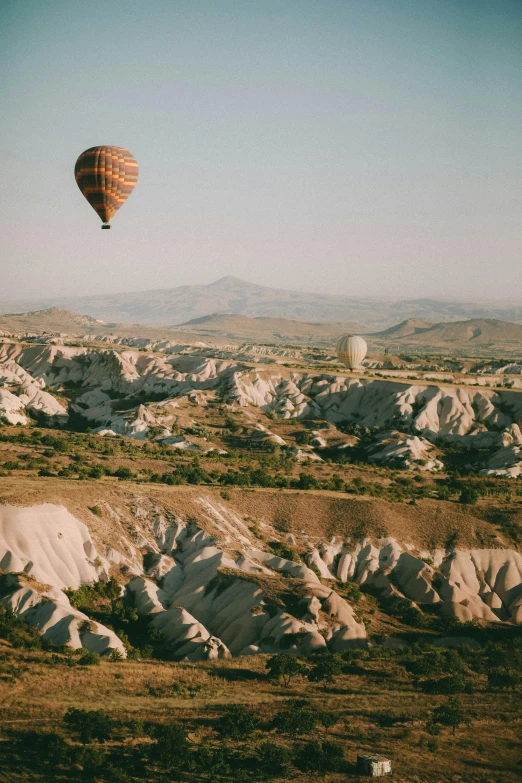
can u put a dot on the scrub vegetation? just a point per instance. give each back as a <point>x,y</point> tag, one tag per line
<point>263,718</point>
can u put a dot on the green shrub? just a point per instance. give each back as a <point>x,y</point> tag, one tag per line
<point>469,496</point>
<point>89,658</point>
<point>213,761</point>
<point>17,632</point>
<point>273,759</point>
<point>54,748</point>
<point>351,591</point>
<point>115,774</point>
<point>97,472</point>
<point>61,445</point>
<point>136,728</point>
<point>503,678</point>
<point>89,724</point>
<point>237,723</point>
<point>93,760</point>
<point>425,664</point>
<point>171,744</point>
<point>453,683</point>
<point>282,550</point>
<point>88,597</point>
<point>124,474</point>
<point>320,757</point>
<point>295,721</point>
<point>306,481</point>
<point>328,719</point>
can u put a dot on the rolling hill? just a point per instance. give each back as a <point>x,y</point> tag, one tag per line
<point>220,327</point>
<point>477,334</point>
<point>406,328</point>
<point>52,319</point>
<point>484,332</point>
<point>266,330</point>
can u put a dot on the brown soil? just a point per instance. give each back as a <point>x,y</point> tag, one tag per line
<point>320,514</point>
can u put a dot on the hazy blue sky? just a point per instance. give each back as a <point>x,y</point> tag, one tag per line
<point>365,147</point>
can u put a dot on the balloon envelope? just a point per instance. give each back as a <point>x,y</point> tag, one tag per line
<point>351,349</point>
<point>106,176</point>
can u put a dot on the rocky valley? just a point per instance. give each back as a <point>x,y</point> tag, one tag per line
<point>206,504</point>
<point>260,392</point>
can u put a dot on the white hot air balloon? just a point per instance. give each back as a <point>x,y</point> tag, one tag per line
<point>351,349</point>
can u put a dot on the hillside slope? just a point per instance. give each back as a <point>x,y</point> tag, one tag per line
<point>406,328</point>
<point>52,319</point>
<point>479,331</point>
<point>267,330</point>
<point>200,570</point>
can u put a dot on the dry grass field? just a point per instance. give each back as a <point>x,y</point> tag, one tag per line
<point>428,523</point>
<point>378,706</point>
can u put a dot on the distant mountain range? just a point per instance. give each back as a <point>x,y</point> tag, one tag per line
<point>231,295</point>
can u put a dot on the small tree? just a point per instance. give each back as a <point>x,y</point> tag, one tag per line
<point>326,669</point>
<point>295,721</point>
<point>328,719</point>
<point>273,759</point>
<point>452,714</point>
<point>213,761</point>
<point>123,473</point>
<point>453,683</point>
<point>171,744</point>
<point>284,667</point>
<point>92,759</point>
<point>320,757</point>
<point>503,678</point>
<point>89,658</point>
<point>336,483</point>
<point>90,724</point>
<point>469,496</point>
<point>238,723</point>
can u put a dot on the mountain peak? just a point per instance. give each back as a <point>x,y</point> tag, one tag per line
<point>407,327</point>
<point>227,280</point>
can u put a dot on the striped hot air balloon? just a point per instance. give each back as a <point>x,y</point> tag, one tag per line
<point>106,176</point>
<point>351,349</point>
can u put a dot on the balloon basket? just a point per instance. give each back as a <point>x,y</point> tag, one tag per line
<point>105,225</point>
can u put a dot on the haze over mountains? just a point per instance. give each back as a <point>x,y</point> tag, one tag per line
<point>232,295</point>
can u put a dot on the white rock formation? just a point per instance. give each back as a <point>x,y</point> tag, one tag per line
<point>49,544</point>
<point>484,584</point>
<point>404,451</point>
<point>210,604</point>
<point>430,410</point>
<point>48,610</point>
